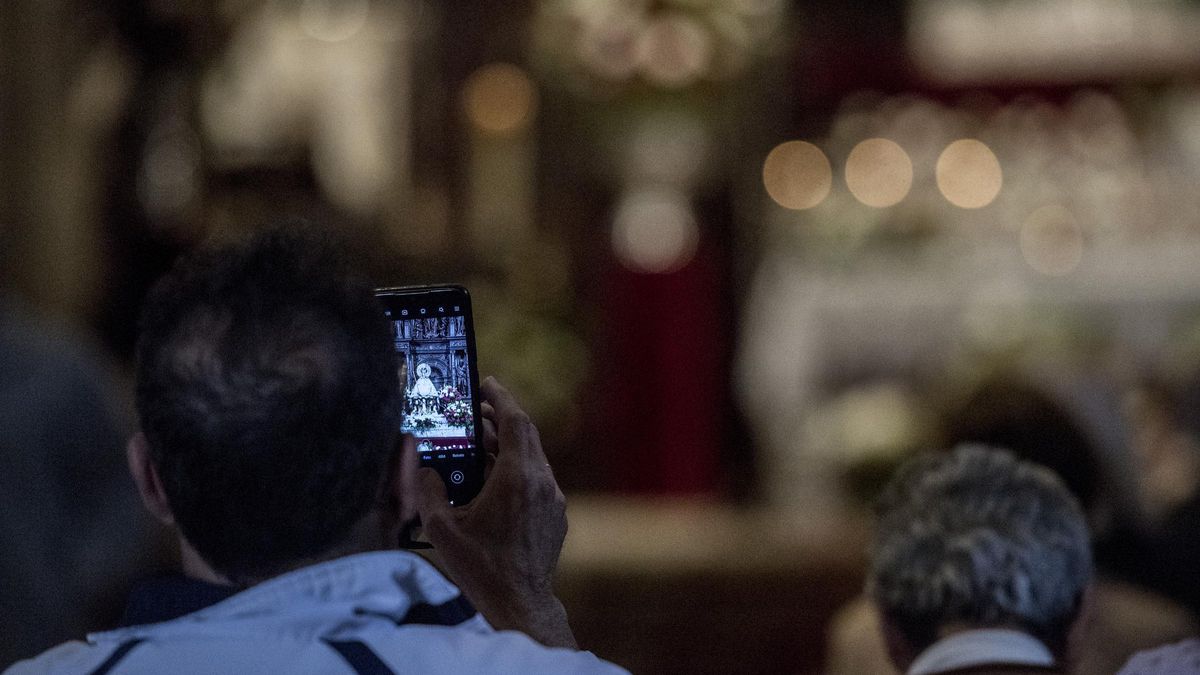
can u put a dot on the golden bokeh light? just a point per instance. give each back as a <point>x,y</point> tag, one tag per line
<point>968,174</point>
<point>500,99</point>
<point>797,175</point>
<point>1052,241</point>
<point>654,231</point>
<point>879,172</point>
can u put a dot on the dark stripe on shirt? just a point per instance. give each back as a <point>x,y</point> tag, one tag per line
<point>360,657</point>
<point>115,658</point>
<point>449,613</point>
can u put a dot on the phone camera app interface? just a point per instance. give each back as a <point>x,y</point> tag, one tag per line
<point>435,371</point>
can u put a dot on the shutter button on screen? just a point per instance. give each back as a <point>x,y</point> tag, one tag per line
<point>457,477</point>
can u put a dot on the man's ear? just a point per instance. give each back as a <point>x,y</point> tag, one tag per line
<point>145,476</point>
<point>402,483</point>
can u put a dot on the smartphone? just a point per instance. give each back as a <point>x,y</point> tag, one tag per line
<point>435,342</point>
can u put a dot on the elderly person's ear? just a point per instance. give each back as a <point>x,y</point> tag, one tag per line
<point>145,477</point>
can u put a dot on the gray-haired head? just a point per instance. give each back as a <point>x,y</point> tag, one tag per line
<point>976,538</point>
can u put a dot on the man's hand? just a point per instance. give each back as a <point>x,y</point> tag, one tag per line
<point>502,548</point>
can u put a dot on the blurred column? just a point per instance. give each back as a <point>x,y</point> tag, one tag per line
<point>47,251</point>
<point>18,103</point>
<point>500,103</point>
<point>8,138</point>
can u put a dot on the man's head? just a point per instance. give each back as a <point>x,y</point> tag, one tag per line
<point>268,400</point>
<point>977,539</point>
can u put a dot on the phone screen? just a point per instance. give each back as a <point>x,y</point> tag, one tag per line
<point>435,342</point>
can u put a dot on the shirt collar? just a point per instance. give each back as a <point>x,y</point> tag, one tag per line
<point>170,597</point>
<point>982,647</point>
<point>396,586</point>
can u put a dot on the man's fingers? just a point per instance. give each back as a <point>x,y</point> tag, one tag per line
<point>490,440</point>
<point>489,462</point>
<point>518,438</point>
<point>505,407</point>
<point>433,504</point>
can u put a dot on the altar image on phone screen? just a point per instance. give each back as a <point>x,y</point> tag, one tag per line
<point>435,372</point>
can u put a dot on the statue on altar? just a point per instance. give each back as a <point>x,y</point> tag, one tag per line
<point>424,386</point>
<point>423,395</point>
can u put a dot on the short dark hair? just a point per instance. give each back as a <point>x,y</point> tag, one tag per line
<point>267,391</point>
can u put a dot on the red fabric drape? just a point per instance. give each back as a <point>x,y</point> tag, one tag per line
<point>661,373</point>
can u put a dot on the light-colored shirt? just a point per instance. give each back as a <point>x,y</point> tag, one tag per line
<point>981,647</point>
<point>1181,658</point>
<point>302,622</point>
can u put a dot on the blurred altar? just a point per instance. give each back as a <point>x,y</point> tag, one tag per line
<point>734,256</point>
